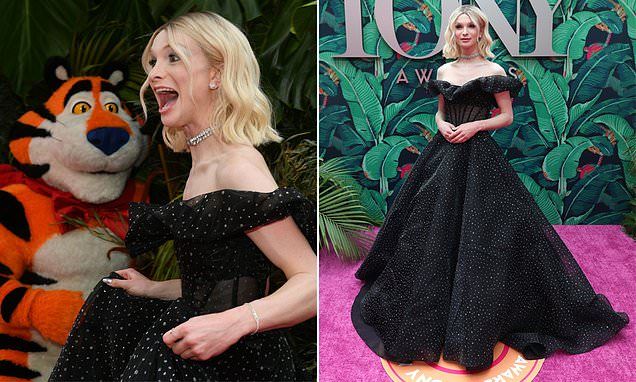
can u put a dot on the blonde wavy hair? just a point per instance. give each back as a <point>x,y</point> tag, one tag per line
<point>242,112</point>
<point>451,47</point>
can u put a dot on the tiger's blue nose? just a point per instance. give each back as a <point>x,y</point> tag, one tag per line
<point>108,139</point>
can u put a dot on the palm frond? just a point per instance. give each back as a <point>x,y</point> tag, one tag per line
<point>343,220</point>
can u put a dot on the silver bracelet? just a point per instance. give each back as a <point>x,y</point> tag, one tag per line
<point>256,318</point>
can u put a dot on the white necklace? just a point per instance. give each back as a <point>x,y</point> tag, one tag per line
<point>471,56</point>
<point>201,136</point>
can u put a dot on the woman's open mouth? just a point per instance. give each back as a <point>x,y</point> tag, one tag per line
<point>166,98</point>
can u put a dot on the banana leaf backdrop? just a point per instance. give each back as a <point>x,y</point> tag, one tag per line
<point>573,129</point>
<point>91,33</point>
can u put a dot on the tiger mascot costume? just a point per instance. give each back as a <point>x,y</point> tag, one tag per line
<point>73,157</point>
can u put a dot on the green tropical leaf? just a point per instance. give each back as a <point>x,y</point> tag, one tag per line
<point>418,143</point>
<point>563,160</point>
<point>548,201</point>
<point>381,161</point>
<point>523,117</point>
<point>375,205</point>
<point>365,106</point>
<point>331,117</point>
<point>629,8</point>
<point>393,109</point>
<point>612,20</point>
<point>527,165</point>
<point>616,197</point>
<point>351,141</point>
<point>592,77</point>
<point>414,19</point>
<point>402,122</point>
<point>373,43</point>
<point>585,123</point>
<point>343,220</point>
<point>602,144</point>
<point>570,36</point>
<point>587,191</point>
<point>605,218</point>
<point>625,142</point>
<point>577,110</point>
<point>578,219</point>
<point>426,120</point>
<point>549,101</point>
<point>33,31</point>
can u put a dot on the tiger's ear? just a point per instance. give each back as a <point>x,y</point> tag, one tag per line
<point>116,73</point>
<point>57,70</point>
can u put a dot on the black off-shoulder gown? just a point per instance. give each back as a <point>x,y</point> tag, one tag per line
<point>117,336</point>
<point>465,257</point>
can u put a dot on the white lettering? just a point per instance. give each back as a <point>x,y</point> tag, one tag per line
<point>402,77</point>
<point>421,74</point>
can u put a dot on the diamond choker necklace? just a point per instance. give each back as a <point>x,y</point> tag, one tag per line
<point>471,55</point>
<point>201,136</point>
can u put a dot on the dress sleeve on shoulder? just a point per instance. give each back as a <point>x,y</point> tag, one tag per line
<point>433,86</point>
<point>147,229</point>
<point>264,208</point>
<point>500,83</point>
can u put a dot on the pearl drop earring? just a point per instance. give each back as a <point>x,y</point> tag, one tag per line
<point>213,85</point>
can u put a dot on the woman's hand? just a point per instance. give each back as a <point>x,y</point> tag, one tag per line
<point>464,132</point>
<point>446,129</point>
<point>135,284</point>
<point>206,336</point>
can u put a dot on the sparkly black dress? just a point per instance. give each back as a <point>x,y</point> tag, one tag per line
<point>466,258</point>
<point>117,336</point>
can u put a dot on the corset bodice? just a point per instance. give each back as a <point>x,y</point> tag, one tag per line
<point>474,99</point>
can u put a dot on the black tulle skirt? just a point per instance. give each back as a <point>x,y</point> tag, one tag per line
<point>119,337</point>
<point>465,259</point>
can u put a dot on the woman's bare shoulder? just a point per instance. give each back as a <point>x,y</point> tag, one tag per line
<point>246,169</point>
<point>495,68</point>
<point>441,71</point>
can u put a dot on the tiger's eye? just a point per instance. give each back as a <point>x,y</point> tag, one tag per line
<point>112,107</point>
<point>81,108</point>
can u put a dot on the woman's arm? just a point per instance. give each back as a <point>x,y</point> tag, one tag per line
<point>505,116</point>
<point>166,290</point>
<point>136,284</point>
<point>444,127</point>
<point>285,246</point>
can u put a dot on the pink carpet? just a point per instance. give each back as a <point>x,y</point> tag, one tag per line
<point>604,252</point>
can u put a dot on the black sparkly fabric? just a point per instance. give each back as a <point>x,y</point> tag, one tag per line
<point>117,336</point>
<point>465,258</point>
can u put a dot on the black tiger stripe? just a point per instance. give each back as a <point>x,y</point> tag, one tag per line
<point>108,87</point>
<point>11,301</point>
<point>79,86</point>
<point>5,270</point>
<point>31,278</point>
<point>13,217</point>
<point>44,112</point>
<point>8,342</point>
<point>21,130</point>
<point>32,170</point>
<point>10,369</point>
<point>3,280</point>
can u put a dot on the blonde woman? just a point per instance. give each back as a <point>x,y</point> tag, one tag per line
<point>233,226</point>
<point>465,257</point>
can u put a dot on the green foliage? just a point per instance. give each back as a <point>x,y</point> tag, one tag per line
<point>33,31</point>
<point>343,218</point>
